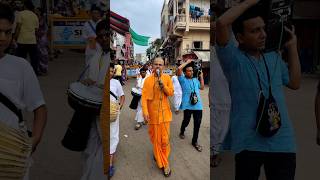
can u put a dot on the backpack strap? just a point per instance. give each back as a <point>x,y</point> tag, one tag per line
<point>5,101</point>
<point>114,95</point>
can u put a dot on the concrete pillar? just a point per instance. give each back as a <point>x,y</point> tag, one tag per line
<point>187,14</point>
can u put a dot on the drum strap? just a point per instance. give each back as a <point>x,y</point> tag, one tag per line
<point>5,101</point>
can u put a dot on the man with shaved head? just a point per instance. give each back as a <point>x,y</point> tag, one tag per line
<point>156,111</point>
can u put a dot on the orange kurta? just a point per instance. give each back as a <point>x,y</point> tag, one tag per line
<point>155,103</point>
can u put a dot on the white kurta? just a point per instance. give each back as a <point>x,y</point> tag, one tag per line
<point>177,97</point>
<point>93,154</point>
<point>116,88</point>
<point>89,32</point>
<point>139,115</point>
<point>220,105</point>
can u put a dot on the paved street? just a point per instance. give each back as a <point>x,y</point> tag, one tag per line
<point>134,157</point>
<point>301,111</point>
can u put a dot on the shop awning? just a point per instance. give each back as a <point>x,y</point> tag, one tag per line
<point>203,55</point>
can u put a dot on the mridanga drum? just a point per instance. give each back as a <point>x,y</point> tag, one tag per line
<point>15,149</point>
<point>136,96</point>
<point>86,102</point>
<point>85,98</point>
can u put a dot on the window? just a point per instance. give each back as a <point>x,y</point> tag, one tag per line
<point>197,44</point>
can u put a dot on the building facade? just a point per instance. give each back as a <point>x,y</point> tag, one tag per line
<point>185,28</point>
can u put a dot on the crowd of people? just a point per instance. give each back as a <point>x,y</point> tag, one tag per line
<point>23,33</point>
<point>247,105</point>
<point>151,103</point>
<point>30,36</point>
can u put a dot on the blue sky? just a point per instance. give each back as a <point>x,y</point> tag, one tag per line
<point>144,17</point>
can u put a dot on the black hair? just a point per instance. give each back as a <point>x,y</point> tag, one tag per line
<point>95,8</point>
<point>112,65</point>
<point>188,65</point>
<point>252,12</point>
<point>6,12</point>
<point>41,10</point>
<point>144,68</point>
<point>102,25</point>
<point>29,5</point>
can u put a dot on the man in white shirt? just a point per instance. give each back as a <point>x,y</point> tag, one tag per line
<point>220,105</point>
<point>140,81</point>
<point>19,84</point>
<point>117,90</point>
<point>89,33</point>
<point>98,66</point>
<point>177,97</point>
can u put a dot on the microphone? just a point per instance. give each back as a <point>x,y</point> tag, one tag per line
<point>159,81</point>
<point>158,72</point>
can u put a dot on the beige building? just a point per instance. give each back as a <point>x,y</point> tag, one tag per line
<point>185,28</point>
<point>141,58</point>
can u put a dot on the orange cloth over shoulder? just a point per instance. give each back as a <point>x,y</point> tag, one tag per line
<point>158,110</point>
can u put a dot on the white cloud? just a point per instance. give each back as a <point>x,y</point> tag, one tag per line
<point>144,16</point>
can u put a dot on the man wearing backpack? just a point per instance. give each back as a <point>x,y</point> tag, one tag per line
<point>20,86</point>
<point>257,78</point>
<point>191,101</point>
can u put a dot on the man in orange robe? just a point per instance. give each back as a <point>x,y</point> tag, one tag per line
<point>156,111</point>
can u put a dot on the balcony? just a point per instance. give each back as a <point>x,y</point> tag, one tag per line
<point>180,22</point>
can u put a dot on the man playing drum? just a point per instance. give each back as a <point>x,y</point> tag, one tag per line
<point>89,33</point>
<point>98,66</point>
<point>20,87</point>
<point>139,116</point>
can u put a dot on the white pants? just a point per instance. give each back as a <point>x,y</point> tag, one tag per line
<point>114,135</point>
<point>139,115</point>
<point>93,155</point>
<point>219,124</point>
<point>177,98</point>
<point>89,53</point>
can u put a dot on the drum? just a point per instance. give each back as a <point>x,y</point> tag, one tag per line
<point>85,98</point>
<point>86,101</point>
<point>135,92</point>
<point>15,149</point>
<point>135,99</point>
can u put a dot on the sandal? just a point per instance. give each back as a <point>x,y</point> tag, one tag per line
<point>197,147</point>
<point>166,173</point>
<point>111,171</point>
<point>138,126</point>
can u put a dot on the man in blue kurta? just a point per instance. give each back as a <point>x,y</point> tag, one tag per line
<point>243,66</point>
